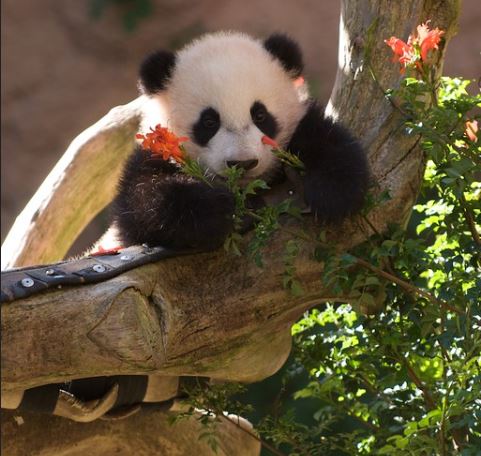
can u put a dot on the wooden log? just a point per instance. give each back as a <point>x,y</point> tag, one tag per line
<point>205,314</point>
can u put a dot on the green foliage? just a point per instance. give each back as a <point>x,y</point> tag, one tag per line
<point>289,159</point>
<point>409,378</point>
<point>206,403</point>
<point>193,168</point>
<point>397,370</point>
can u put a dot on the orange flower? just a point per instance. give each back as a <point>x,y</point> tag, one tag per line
<point>270,142</point>
<point>428,39</point>
<point>416,49</point>
<point>403,52</point>
<point>101,251</point>
<point>472,130</point>
<point>163,142</point>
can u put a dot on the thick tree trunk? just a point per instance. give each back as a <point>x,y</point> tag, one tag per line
<point>208,314</point>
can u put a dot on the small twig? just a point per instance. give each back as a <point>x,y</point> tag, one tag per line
<point>384,92</point>
<point>442,427</point>
<point>472,226</point>
<point>373,228</point>
<point>428,398</point>
<point>407,286</point>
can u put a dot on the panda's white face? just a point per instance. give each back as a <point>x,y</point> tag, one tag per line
<point>225,93</point>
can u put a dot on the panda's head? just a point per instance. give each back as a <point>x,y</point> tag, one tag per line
<point>225,91</point>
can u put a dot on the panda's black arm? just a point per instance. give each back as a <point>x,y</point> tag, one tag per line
<point>157,204</point>
<point>337,172</point>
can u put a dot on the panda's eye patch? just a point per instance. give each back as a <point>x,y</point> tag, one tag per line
<point>263,119</point>
<point>210,118</point>
<point>206,126</point>
<point>259,115</point>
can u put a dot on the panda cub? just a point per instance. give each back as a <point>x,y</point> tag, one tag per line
<point>225,91</point>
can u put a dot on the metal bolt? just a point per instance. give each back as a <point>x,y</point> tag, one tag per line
<point>125,257</point>
<point>50,272</point>
<point>27,282</point>
<point>98,268</point>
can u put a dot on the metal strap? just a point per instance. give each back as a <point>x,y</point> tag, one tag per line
<point>23,282</point>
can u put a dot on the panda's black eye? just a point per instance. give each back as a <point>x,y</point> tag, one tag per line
<point>206,126</point>
<point>263,119</point>
<point>210,122</point>
<point>259,116</point>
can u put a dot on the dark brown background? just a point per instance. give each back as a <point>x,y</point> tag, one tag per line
<point>62,70</point>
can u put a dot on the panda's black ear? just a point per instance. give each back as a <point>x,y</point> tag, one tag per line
<point>287,51</point>
<point>155,71</point>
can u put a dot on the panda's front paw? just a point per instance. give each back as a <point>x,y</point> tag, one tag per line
<point>173,211</point>
<point>204,214</point>
<point>331,201</point>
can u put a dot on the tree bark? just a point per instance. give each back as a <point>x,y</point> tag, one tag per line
<point>208,314</point>
<point>143,434</point>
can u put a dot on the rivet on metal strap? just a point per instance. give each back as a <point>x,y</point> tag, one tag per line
<point>98,268</point>
<point>50,272</point>
<point>27,282</point>
<point>125,257</point>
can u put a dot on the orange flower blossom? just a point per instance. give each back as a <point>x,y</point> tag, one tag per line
<point>472,130</point>
<point>417,47</point>
<point>270,142</point>
<point>101,251</point>
<point>162,141</point>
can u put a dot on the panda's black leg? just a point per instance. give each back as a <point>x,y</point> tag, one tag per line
<point>337,171</point>
<point>159,205</point>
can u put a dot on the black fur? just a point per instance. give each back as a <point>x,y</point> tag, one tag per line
<point>264,120</point>
<point>158,205</point>
<point>337,172</point>
<point>206,127</point>
<point>155,71</point>
<point>287,51</point>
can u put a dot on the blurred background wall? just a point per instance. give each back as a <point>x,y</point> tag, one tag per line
<point>65,63</point>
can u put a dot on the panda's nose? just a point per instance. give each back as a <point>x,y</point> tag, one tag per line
<point>244,164</point>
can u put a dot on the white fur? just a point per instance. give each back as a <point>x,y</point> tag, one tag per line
<point>230,71</point>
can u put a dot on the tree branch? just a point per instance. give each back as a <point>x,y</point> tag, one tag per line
<point>82,183</point>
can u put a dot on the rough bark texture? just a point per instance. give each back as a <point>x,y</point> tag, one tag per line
<point>209,314</point>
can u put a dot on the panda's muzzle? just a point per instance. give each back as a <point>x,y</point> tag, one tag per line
<point>243,164</point>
